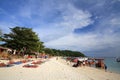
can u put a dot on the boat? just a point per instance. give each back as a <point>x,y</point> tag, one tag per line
<point>118,59</point>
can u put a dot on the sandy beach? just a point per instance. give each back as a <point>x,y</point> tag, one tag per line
<point>53,69</point>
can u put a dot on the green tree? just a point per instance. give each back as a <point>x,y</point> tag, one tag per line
<point>68,53</point>
<point>21,38</point>
<point>49,51</point>
<point>40,47</point>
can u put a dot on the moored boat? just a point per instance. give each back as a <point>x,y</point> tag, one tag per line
<point>118,59</point>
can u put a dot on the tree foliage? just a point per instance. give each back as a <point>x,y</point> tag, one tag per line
<point>24,39</point>
<point>68,53</point>
<point>21,38</point>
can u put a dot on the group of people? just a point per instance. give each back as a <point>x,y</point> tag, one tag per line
<point>83,63</point>
<point>98,63</point>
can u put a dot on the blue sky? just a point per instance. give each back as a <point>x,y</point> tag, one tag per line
<point>89,26</point>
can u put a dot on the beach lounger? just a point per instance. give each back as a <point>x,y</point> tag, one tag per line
<point>30,66</point>
<point>5,65</point>
<point>2,64</point>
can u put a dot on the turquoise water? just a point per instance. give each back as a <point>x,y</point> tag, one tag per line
<point>112,65</point>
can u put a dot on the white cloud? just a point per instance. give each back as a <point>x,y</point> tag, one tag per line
<point>5,27</point>
<point>71,42</point>
<point>70,19</point>
<point>104,38</point>
<point>85,42</point>
<point>54,21</point>
<point>115,21</point>
<point>74,18</point>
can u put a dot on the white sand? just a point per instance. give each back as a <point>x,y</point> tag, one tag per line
<point>55,70</point>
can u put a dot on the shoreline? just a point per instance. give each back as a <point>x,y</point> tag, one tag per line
<point>93,71</point>
<point>54,69</point>
<point>108,70</point>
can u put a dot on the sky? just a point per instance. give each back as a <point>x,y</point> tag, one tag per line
<point>88,26</point>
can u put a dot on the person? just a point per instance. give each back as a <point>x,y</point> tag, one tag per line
<point>105,67</point>
<point>83,63</point>
<point>56,58</point>
<point>36,56</point>
<point>76,64</point>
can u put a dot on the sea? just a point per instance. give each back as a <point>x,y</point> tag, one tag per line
<point>112,65</point>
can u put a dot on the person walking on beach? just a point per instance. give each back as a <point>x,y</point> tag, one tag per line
<point>105,67</point>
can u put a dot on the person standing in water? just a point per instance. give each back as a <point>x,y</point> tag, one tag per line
<point>105,67</point>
